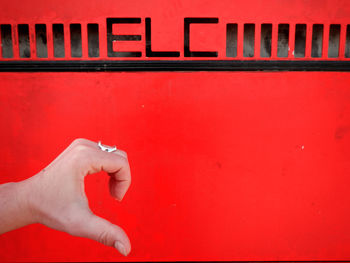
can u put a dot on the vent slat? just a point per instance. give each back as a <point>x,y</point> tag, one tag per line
<point>244,41</point>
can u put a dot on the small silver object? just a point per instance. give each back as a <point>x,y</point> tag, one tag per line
<point>107,148</point>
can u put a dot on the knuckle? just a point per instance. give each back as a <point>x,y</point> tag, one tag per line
<point>103,238</point>
<point>124,154</point>
<point>79,141</point>
<point>80,149</point>
<point>124,161</point>
<point>80,153</point>
<point>128,182</point>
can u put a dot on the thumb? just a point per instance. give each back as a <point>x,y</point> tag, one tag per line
<point>105,232</point>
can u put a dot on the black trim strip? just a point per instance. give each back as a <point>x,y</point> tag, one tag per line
<point>229,261</point>
<point>172,65</point>
<point>238,261</point>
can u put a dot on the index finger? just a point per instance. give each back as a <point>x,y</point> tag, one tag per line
<point>116,165</point>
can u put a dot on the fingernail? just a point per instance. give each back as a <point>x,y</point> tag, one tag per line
<point>120,247</point>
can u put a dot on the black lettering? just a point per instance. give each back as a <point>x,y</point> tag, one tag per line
<point>111,37</point>
<point>187,23</point>
<point>149,52</point>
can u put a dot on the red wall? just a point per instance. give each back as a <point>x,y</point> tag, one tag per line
<point>225,166</point>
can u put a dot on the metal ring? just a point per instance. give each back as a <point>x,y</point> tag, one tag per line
<point>107,148</point>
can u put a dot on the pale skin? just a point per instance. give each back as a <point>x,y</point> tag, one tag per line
<point>55,197</point>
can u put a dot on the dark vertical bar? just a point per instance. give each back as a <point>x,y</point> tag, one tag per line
<point>75,40</point>
<point>41,40</point>
<point>333,43</point>
<point>23,40</point>
<point>248,40</point>
<point>300,40</point>
<point>317,41</point>
<point>6,41</point>
<point>58,40</point>
<point>283,40</point>
<point>265,40</point>
<point>231,40</point>
<point>93,40</point>
<point>347,42</point>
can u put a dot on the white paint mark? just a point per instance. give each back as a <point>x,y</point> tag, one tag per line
<point>302,147</point>
<point>142,106</point>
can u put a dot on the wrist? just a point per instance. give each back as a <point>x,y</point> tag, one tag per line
<point>14,208</point>
<point>24,191</point>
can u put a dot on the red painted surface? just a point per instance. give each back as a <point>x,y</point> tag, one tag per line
<point>225,166</point>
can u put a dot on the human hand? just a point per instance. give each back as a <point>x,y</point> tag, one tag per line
<point>56,197</point>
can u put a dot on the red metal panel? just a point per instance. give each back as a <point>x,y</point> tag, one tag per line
<point>225,166</point>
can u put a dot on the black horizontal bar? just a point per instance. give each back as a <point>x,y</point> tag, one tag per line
<point>172,65</point>
<point>239,261</point>
<point>127,37</point>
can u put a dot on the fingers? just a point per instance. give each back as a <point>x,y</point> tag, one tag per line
<point>118,188</point>
<point>115,164</point>
<point>105,232</point>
